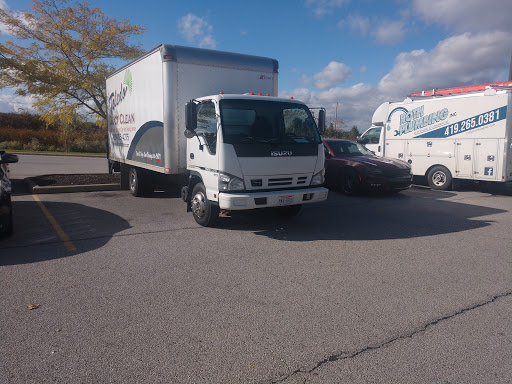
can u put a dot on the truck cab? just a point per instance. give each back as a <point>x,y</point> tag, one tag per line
<point>372,139</point>
<point>247,151</point>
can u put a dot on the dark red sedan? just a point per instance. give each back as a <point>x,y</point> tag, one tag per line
<point>352,168</point>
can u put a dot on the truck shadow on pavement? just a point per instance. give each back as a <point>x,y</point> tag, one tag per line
<point>36,239</point>
<point>409,214</point>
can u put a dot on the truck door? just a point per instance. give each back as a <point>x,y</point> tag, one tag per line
<point>371,139</point>
<point>202,150</point>
<point>486,159</point>
<point>464,158</point>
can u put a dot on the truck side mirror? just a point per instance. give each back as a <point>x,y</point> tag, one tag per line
<point>191,117</point>
<point>321,121</point>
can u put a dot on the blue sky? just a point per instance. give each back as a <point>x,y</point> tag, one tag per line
<point>352,53</point>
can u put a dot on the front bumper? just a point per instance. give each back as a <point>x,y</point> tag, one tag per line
<point>252,200</point>
<point>376,183</point>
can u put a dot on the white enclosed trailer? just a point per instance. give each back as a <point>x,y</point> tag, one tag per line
<point>241,151</point>
<point>465,135</point>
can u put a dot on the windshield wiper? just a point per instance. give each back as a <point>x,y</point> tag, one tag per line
<point>253,139</point>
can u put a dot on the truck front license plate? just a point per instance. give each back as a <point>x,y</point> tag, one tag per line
<point>285,200</point>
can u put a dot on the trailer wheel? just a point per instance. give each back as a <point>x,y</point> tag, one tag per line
<point>135,182</point>
<point>439,178</point>
<point>349,183</point>
<point>205,213</point>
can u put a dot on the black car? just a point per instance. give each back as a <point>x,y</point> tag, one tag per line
<point>353,168</point>
<point>5,193</point>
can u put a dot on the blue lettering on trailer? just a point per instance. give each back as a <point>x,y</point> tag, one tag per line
<point>468,124</point>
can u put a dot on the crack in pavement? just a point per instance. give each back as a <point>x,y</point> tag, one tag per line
<point>346,355</point>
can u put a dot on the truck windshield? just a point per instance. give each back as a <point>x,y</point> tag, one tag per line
<point>247,121</point>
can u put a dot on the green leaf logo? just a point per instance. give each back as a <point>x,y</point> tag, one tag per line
<point>128,80</point>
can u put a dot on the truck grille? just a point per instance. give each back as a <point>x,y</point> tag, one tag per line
<point>278,182</point>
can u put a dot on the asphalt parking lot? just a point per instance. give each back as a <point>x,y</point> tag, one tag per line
<point>105,287</point>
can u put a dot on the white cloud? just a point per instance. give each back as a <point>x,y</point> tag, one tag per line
<point>11,103</point>
<point>459,60</point>
<point>324,7</point>
<point>305,81</point>
<point>466,15</point>
<point>469,58</point>
<point>390,33</point>
<point>384,32</point>
<point>357,24</point>
<point>3,28</point>
<point>356,104</point>
<point>196,30</point>
<point>335,73</point>
<point>19,15</point>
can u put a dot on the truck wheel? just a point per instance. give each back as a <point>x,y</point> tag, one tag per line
<point>439,178</point>
<point>205,213</point>
<point>349,183</point>
<point>135,182</point>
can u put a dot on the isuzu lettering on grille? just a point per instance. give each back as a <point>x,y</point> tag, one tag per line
<point>280,153</point>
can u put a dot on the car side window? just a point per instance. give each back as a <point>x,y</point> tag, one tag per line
<point>207,124</point>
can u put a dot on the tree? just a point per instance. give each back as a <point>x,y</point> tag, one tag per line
<point>354,133</point>
<point>333,133</point>
<point>61,54</point>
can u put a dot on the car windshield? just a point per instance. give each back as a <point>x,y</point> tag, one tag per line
<point>248,121</point>
<point>348,149</point>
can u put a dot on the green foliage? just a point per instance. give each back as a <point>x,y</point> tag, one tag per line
<point>27,132</point>
<point>60,55</point>
<point>24,120</point>
<point>332,133</point>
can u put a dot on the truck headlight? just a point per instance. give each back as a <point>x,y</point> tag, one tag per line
<point>230,183</point>
<point>318,179</point>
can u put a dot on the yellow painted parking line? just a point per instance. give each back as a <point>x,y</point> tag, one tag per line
<point>65,238</point>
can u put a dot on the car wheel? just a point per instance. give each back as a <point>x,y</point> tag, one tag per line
<point>439,178</point>
<point>290,210</point>
<point>349,183</point>
<point>205,213</point>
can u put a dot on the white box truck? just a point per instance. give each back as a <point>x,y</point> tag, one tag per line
<point>455,133</point>
<point>185,115</point>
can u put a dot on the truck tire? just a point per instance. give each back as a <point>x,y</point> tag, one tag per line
<point>349,183</point>
<point>135,182</point>
<point>205,213</point>
<point>439,178</point>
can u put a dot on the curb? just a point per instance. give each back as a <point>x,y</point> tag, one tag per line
<point>36,189</point>
<point>101,155</point>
